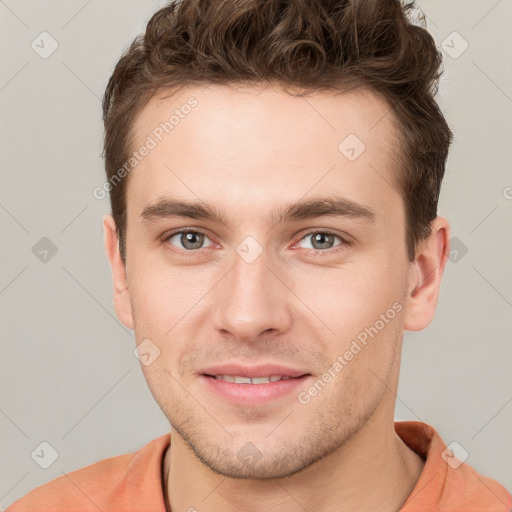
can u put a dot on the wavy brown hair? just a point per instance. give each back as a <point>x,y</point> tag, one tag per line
<point>307,46</point>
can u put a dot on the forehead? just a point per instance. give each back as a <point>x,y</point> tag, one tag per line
<point>261,144</point>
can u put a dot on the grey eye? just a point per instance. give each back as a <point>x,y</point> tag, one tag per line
<point>189,240</point>
<point>321,240</point>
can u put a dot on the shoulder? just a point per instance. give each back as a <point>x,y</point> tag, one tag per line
<point>94,487</point>
<point>448,483</point>
<point>478,492</point>
<point>77,490</point>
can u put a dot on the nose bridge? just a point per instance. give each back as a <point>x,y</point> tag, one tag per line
<point>252,299</point>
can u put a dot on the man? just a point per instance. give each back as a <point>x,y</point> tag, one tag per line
<point>274,170</point>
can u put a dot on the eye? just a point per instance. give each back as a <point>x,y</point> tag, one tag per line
<point>322,240</point>
<point>189,240</point>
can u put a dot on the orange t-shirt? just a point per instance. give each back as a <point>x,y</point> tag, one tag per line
<point>133,482</point>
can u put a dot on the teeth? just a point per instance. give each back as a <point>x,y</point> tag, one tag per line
<point>241,380</point>
<point>259,380</point>
<point>248,380</point>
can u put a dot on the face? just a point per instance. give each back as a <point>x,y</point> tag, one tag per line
<point>264,239</point>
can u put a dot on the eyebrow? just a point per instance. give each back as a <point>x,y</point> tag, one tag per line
<point>302,210</point>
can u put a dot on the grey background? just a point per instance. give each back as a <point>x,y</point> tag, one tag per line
<point>68,375</point>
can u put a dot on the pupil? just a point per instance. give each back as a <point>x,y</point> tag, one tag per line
<point>321,238</point>
<point>192,238</point>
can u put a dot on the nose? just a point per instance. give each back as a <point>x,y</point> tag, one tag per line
<point>252,299</point>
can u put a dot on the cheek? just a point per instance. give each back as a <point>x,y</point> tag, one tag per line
<point>162,383</point>
<point>164,297</point>
<point>349,298</point>
<point>165,304</point>
<point>361,310</point>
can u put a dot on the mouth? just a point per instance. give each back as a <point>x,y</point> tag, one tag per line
<point>251,391</point>
<point>239,379</point>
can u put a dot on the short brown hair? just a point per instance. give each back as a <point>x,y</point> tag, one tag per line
<point>309,45</point>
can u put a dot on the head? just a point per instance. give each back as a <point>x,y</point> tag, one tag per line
<point>274,170</point>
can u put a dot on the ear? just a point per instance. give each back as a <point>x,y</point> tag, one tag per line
<point>425,276</point>
<point>122,303</point>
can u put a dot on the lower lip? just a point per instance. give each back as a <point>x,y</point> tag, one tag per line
<point>253,394</point>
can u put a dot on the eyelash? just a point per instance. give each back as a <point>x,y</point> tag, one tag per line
<point>319,252</point>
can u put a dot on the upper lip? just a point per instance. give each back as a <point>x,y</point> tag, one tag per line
<point>262,370</point>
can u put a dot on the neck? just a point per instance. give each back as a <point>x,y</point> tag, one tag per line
<point>373,470</point>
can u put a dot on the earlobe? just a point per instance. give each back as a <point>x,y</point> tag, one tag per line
<point>122,304</point>
<point>425,276</point>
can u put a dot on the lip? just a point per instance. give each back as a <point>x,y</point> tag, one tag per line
<point>253,394</point>
<point>262,370</point>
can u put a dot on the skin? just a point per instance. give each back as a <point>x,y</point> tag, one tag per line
<point>249,151</point>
